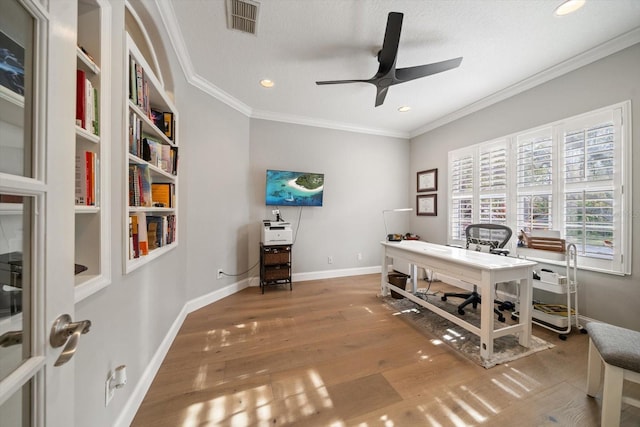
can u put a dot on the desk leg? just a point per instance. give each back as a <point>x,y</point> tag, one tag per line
<point>486,316</point>
<point>384,291</point>
<point>526,295</point>
<point>414,278</point>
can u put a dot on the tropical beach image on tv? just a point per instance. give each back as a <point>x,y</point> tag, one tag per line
<point>287,188</point>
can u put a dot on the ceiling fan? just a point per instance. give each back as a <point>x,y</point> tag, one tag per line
<point>388,75</point>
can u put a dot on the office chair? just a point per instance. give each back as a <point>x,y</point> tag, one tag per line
<point>495,237</point>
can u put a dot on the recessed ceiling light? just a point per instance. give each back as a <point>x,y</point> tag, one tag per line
<point>267,83</point>
<point>404,109</point>
<point>569,6</point>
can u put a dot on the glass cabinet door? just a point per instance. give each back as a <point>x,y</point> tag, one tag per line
<point>17,27</point>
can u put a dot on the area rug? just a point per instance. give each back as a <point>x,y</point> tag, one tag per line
<point>505,349</point>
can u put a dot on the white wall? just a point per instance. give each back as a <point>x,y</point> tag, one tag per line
<point>364,174</point>
<point>215,169</point>
<point>608,298</point>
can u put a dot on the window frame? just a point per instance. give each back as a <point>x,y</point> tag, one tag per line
<point>557,189</point>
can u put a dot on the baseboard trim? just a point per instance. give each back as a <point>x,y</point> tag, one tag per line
<point>330,274</point>
<point>135,400</point>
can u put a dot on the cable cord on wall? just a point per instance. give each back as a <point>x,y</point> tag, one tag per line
<point>295,235</point>
<point>240,274</point>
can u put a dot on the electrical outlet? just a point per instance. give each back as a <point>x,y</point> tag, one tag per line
<point>108,390</point>
<point>359,256</point>
<point>219,273</point>
<point>329,260</point>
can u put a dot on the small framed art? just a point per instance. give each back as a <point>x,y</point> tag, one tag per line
<point>428,180</point>
<point>427,204</point>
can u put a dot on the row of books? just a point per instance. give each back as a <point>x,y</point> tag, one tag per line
<point>145,193</point>
<point>139,95</point>
<point>149,149</point>
<point>140,186</point>
<point>86,178</point>
<point>147,233</point>
<point>87,110</point>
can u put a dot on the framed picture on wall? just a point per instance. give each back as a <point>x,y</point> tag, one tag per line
<point>428,180</point>
<point>427,204</point>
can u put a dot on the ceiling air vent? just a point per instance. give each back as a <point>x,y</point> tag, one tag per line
<point>242,15</point>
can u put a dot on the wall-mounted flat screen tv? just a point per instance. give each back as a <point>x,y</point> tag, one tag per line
<point>287,188</point>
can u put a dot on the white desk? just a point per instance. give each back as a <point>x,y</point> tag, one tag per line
<point>477,268</point>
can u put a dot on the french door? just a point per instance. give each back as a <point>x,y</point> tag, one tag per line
<point>37,89</point>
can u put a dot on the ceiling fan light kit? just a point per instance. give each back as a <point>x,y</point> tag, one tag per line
<point>388,75</point>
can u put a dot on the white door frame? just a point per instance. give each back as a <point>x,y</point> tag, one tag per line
<point>52,187</point>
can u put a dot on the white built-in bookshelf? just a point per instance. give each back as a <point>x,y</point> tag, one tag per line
<point>92,192</point>
<point>150,218</point>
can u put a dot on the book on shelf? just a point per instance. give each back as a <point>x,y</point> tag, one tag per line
<point>163,194</point>
<point>155,231</point>
<point>152,233</point>
<point>146,149</point>
<point>80,98</point>
<point>87,109</point>
<point>174,161</point>
<point>143,242</point>
<point>137,85</point>
<point>133,91</point>
<point>165,158</point>
<point>169,229</point>
<point>169,124</point>
<point>140,86</point>
<point>135,132</point>
<point>86,178</point>
<point>96,112</point>
<point>130,224</point>
<point>139,186</point>
<point>134,247</point>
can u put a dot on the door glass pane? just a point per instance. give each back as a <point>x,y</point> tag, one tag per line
<point>16,83</point>
<point>12,411</point>
<point>15,283</point>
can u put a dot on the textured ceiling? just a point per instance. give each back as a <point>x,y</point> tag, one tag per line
<point>507,46</point>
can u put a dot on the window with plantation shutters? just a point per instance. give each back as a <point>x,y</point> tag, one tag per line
<point>461,181</point>
<point>589,222</point>
<point>534,173</point>
<point>573,175</point>
<point>462,174</point>
<point>493,167</point>
<point>589,152</point>
<point>493,209</point>
<point>492,159</point>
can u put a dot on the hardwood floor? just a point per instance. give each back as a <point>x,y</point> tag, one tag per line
<point>329,353</point>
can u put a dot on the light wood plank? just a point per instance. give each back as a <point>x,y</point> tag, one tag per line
<point>329,352</point>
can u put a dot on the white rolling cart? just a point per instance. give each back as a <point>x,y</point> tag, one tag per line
<point>555,317</point>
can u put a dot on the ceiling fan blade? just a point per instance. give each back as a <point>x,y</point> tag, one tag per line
<point>338,82</point>
<point>389,52</point>
<point>381,95</point>
<point>411,73</point>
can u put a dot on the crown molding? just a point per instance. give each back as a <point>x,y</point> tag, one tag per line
<point>603,50</point>
<point>302,120</point>
<point>167,15</point>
